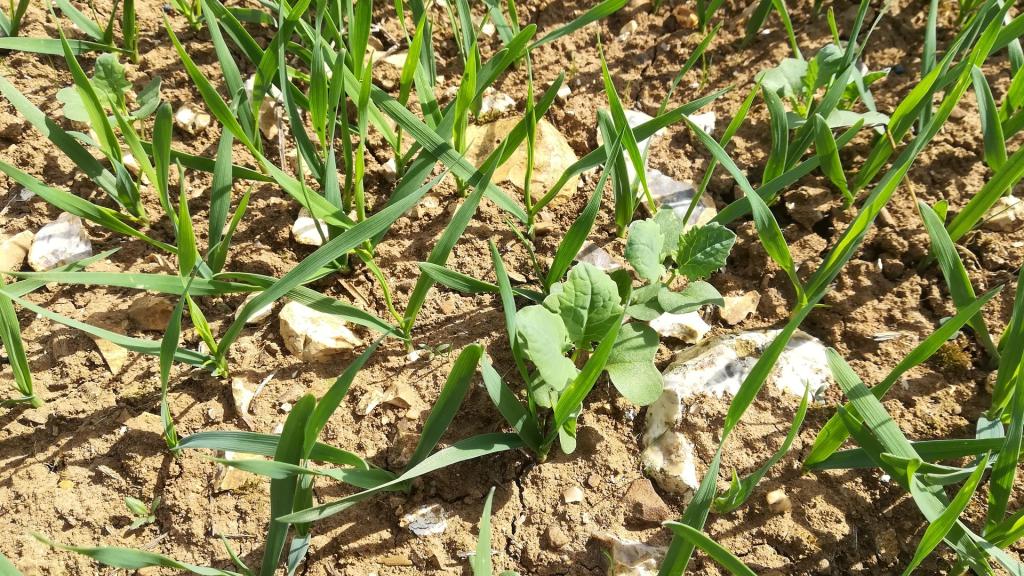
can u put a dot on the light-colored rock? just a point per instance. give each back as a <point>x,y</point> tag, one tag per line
<point>705,121</point>
<point>404,396</point>
<point>115,356</point>
<point>259,315</point>
<point>778,502</point>
<point>314,336</point>
<point>488,29</point>
<point>628,29</point>
<point>271,109</point>
<point>14,249</point>
<point>1006,216</point>
<point>572,495</point>
<point>688,327</point>
<point>598,257</point>
<point>429,520</point>
<point>700,375</point>
<point>668,192</point>
<point>737,308</point>
<point>190,121</point>
<point>60,242</point>
<point>631,557</point>
<point>242,394</point>
<point>494,104</point>
<point>304,230</point>
<point>231,478</point>
<point>151,312</point>
<point>563,93</point>
<point>552,155</point>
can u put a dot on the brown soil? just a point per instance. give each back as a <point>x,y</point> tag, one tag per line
<point>65,468</point>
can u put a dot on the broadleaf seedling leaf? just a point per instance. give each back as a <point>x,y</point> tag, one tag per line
<point>704,250</point>
<point>631,364</point>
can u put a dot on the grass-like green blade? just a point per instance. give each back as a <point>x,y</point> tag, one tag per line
<point>941,526</point>
<point>105,217</point>
<point>1004,472</point>
<point>577,234</point>
<point>329,252</point>
<point>713,549</point>
<point>629,142</point>
<point>53,46</point>
<point>331,399</point>
<point>931,500</point>
<point>957,280</point>
<point>131,559</point>
<point>508,309</point>
<point>446,243</point>
<point>220,195</point>
<point>467,284</point>
<point>74,150</point>
<point>740,489</point>
<point>447,404</point>
<point>730,131</point>
<point>602,10</point>
<point>505,400</point>
<point>1011,345</point>
<point>776,163</point>
<point>7,567</point>
<point>481,560</point>
<point>266,445</point>
<point>833,433</point>
<point>10,336</point>
<point>282,490</point>
<point>991,127</point>
<point>462,451</point>
<point>828,156</point>
<point>168,346</point>
<point>928,450</point>
<point>139,345</point>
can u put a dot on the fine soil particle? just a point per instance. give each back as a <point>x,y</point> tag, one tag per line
<point>66,468</point>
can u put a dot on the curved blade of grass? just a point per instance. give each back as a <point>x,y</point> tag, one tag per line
<point>469,285</point>
<point>67,144</point>
<point>168,346</point>
<point>130,559</point>
<point>602,10</point>
<point>53,46</point>
<point>730,131</point>
<point>97,116</point>
<point>517,415</point>
<point>717,552</point>
<point>1004,472</point>
<point>776,163</point>
<point>447,404</point>
<point>10,336</point>
<point>508,309</point>
<point>628,139</point>
<point>957,280</point>
<point>991,128</point>
<point>929,450</point>
<point>266,445</point>
<point>941,526</point>
<point>577,234</point>
<point>105,217</point>
<point>480,562</point>
<point>282,490</point>
<point>220,195</point>
<point>139,345</point>
<point>931,500</point>
<point>469,449</point>
<point>740,489</point>
<point>828,156</point>
<point>1011,360</point>
<point>7,568</point>
<point>833,433</point>
<point>329,252</point>
<point>446,243</point>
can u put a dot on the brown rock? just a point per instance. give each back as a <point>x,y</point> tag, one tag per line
<point>151,312</point>
<point>556,537</point>
<point>737,308</point>
<point>778,501</point>
<point>552,156</point>
<point>13,251</point>
<point>644,505</point>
